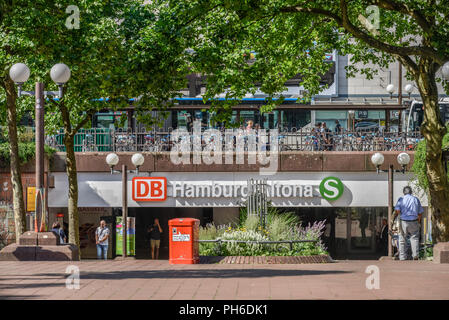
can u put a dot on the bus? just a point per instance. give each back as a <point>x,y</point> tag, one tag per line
<point>414,115</point>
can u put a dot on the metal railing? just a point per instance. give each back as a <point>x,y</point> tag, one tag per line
<point>290,242</point>
<point>97,140</point>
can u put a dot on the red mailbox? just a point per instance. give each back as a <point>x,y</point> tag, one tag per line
<point>184,245</point>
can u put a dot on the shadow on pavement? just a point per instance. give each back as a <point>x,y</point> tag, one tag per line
<point>201,273</point>
<point>18,297</point>
<point>168,274</point>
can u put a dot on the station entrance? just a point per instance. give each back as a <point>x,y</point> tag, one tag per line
<point>145,219</point>
<point>350,233</point>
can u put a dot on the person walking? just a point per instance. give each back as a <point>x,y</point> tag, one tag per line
<point>155,238</point>
<point>101,239</point>
<point>410,210</point>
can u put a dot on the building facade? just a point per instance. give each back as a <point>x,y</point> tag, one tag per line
<point>215,193</point>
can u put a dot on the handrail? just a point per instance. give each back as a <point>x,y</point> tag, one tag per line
<point>290,242</point>
<point>94,140</point>
<point>256,241</point>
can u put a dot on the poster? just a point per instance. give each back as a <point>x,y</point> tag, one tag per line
<point>130,236</point>
<point>31,199</point>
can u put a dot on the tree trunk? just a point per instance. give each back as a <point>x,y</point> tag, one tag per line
<point>73,190</point>
<point>16,175</point>
<point>433,131</point>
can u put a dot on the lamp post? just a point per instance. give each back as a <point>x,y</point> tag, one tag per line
<point>60,74</point>
<point>391,89</point>
<point>378,159</point>
<point>351,119</point>
<point>112,160</point>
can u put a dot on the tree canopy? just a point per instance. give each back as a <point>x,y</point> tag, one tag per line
<point>291,37</point>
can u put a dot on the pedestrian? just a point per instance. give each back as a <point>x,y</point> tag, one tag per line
<point>410,210</point>
<point>101,239</point>
<point>65,228</point>
<point>56,228</point>
<point>383,237</point>
<point>155,238</point>
<point>318,137</point>
<point>337,127</point>
<point>327,136</point>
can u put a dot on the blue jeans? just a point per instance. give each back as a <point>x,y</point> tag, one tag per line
<point>409,239</point>
<point>102,251</point>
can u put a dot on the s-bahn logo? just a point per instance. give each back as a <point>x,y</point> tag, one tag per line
<point>331,188</point>
<point>149,189</point>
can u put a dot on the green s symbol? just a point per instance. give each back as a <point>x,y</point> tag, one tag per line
<point>331,188</point>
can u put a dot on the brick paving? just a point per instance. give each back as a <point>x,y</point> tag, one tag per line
<point>266,259</point>
<point>149,279</point>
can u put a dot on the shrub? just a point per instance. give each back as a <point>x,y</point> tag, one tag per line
<point>419,163</point>
<point>243,249</point>
<point>280,226</point>
<point>26,152</point>
<point>210,232</point>
<point>251,223</point>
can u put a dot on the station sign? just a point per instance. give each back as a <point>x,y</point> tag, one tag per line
<point>155,189</point>
<point>149,189</point>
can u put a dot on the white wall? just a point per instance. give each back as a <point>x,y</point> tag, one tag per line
<point>364,189</point>
<point>360,85</point>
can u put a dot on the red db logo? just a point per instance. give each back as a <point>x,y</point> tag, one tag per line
<point>149,189</point>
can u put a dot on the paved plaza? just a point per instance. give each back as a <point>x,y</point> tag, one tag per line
<point>147,279</point>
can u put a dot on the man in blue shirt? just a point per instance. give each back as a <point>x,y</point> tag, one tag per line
<point>410,210</point>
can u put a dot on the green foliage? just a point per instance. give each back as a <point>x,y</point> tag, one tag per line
<point>426,253</point>
<point>244,249</point>
<point>26,152</point>
<point>280,226</point>
<point>251,223</point>
<point>419,163</point>
<point>210,232</point>
<point>246,45</point>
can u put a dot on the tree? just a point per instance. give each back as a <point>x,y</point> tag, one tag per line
<point>15,46</point>
<point>84,46</point>
<point>290,37</point>
<point>116,50</point>
<point>419,163</point>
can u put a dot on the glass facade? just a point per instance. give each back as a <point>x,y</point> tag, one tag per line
<point>329,117</point>
<point>110,120</point>
<point>281,119</point>
<point>349,232</point>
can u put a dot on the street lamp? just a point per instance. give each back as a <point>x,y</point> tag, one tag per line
<point>390,89</point>
<point>60,74</point>
<point>112,160</point>
<point>137,159</point>
<point>378,159</point>
<point>409,89</point>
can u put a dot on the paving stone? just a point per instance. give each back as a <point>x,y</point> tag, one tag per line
<point>146,279</point>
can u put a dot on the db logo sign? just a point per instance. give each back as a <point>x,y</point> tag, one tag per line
<point>149,189</point>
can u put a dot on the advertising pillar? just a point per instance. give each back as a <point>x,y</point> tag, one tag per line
<point>130,236</point>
